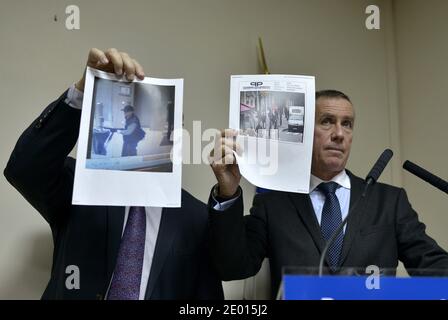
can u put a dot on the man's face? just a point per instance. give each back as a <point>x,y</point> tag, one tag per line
<point>332,136</point>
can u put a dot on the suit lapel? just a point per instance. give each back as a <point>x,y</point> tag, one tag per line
<point>304,207</point>
<point>115,220</point>
<point>167,231</point>
<point>357,185</point>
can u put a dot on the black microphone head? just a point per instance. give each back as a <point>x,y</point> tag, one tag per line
<point>426,175</point>
<point>411,167</point>
<point>379,166</point>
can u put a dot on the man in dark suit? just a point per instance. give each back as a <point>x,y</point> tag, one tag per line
<point>291,229</point>
<point>108,252</point>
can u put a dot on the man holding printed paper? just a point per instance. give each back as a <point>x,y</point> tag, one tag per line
<point>291,229</point>
<point>119,253</point>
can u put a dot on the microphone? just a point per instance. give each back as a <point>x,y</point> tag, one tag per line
<point>371,178</point>
<point>377,169</point>
<point>427,176</point>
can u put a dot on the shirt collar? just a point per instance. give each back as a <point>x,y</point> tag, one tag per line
<point>341,178</point>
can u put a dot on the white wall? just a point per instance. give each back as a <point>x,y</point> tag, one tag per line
<point>422,52</point>
<point>203,41</point>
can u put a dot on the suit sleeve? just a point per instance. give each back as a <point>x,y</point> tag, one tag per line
<point>238,243</point>
<point>37,167</point>
<point>416,249</point>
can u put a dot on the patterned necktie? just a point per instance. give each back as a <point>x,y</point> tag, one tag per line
<point>331,219</point>
<point>126,280</point>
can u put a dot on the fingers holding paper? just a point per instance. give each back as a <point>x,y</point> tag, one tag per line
<point>113,61</point>
<point>224,164</point>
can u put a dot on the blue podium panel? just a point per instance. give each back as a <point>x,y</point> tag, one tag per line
<point>304,287</point>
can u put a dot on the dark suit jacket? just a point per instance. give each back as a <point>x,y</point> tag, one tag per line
<point>89,236</point>
<point>283,227</point>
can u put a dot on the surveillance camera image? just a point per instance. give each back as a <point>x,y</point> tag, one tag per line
<point>131,126</point>
<point>273,115</point>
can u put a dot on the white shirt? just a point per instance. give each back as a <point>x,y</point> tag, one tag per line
<point>153,214</point>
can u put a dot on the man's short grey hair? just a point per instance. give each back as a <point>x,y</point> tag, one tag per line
<point>331,93</point>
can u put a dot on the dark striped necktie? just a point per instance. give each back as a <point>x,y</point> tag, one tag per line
<point>331,219</point>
